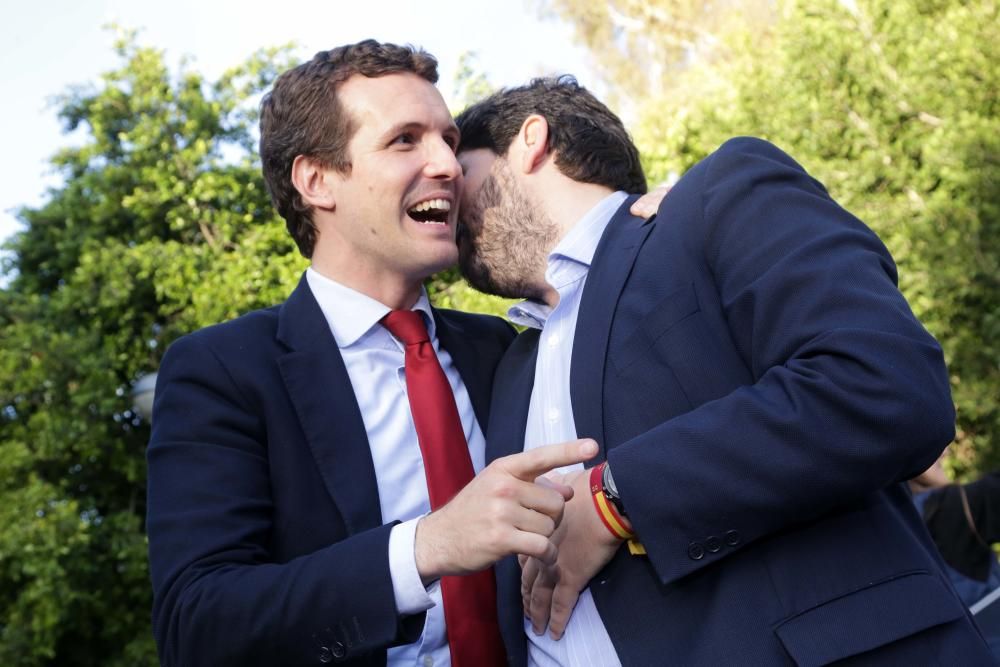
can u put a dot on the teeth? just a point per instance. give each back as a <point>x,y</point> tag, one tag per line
<point>438,204</point>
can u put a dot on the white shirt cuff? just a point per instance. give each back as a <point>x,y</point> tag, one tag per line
<point>411,596</point>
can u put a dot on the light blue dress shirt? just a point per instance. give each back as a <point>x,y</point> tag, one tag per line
<point>550,416</point>
<point>375,365</point>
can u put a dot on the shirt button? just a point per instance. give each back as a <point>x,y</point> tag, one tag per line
<point>428,661</point>
<point>554,340</point>
<point>552,414</point>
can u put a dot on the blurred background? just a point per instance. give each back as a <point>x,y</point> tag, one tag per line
<point>134,212</point>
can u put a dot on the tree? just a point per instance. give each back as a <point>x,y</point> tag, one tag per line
<point>642,46</point>
<point>162,225</point>
<point>893,106</point>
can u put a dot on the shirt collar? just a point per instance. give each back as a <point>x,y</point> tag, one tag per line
<point>570,259</point>
<point>351,314</point>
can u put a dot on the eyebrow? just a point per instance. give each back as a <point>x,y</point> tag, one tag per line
<point>398,128</point>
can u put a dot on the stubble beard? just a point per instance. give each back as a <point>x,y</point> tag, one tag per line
<point>507,238</point>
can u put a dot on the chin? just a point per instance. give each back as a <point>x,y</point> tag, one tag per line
<point>445,259</point>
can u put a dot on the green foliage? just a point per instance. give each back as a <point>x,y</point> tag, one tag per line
<point>471,84</point>
<point>162,226</point>
<point>643,45</point>
<point>449,290</point>
<point>894,107</point>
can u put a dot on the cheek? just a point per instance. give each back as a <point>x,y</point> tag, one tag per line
<point>465,203</point>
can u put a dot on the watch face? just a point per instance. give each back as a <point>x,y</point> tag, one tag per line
<point>610,490</point>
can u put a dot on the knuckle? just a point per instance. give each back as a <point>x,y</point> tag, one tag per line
<point>505,489</point>
<point>497,508</point>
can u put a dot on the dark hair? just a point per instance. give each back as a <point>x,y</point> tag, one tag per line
<point>589,141</point>
<point>303,116</point>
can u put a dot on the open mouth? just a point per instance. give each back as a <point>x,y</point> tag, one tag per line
<point>431,212</point>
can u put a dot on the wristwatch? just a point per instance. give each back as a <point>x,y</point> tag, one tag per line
<point>611,491</point>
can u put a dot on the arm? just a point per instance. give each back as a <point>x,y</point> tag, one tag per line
<point>220,597</point>
<point>850,393</point>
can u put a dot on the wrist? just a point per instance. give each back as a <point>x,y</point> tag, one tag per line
<point>426,553</point>
<point>611,490</point>
<point>615,524</point>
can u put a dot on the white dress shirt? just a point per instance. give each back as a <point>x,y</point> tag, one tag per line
<point>550,417</point>
<point>375,365</point>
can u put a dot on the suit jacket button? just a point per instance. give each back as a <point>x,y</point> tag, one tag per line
<point>696,551</point>
<point>733,538</point>
<point>325,654</point>
<point>713,544</point>
<point>339,650</point>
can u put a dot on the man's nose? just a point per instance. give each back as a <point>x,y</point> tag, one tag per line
<point>441,161</point>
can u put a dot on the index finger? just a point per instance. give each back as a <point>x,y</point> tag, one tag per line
<point>533,463</point>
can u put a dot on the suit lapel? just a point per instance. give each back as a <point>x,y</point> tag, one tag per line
<point>321,391</point>
<point>462,349</point>
<point>512,386</point>
<point>609,270</point>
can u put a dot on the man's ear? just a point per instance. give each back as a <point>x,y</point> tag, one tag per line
<point>534,142</point>
<point>313,182</point>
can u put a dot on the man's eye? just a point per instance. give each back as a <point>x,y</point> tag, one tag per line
<point>405,138</point>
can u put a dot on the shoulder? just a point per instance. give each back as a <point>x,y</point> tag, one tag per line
<point>750,159</point>
<point>253,330</point>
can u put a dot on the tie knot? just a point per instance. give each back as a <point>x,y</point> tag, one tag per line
<point>407,325</point>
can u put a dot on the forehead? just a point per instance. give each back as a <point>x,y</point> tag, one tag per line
<point>380,102</point>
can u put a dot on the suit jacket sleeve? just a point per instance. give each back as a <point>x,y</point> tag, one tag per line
<point>221,597</point>
<point>849,393</point>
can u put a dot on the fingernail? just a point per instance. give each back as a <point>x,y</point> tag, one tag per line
<point>537,631</point>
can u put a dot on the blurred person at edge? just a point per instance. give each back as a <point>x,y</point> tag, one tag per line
<point>964,522</point>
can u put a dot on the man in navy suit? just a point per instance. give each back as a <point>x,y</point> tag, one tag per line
<point>288,513</point>
<point>758,386</point>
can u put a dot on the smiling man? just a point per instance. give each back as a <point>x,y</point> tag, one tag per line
<point>311,469</point>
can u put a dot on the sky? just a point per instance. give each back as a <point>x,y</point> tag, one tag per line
<point>47,46</point>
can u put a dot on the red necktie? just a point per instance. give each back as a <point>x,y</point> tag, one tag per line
<point>470,603</point>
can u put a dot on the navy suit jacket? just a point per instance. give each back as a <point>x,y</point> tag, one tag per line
<point>760,388</point>
<point>265,535</point>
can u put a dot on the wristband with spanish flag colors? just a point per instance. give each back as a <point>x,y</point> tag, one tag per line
<point>610,517</point>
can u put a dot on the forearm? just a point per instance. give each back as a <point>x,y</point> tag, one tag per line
<point>846,392</point>
<point>225,610</point>
<point>227,585</point>
<point>760,460</point>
